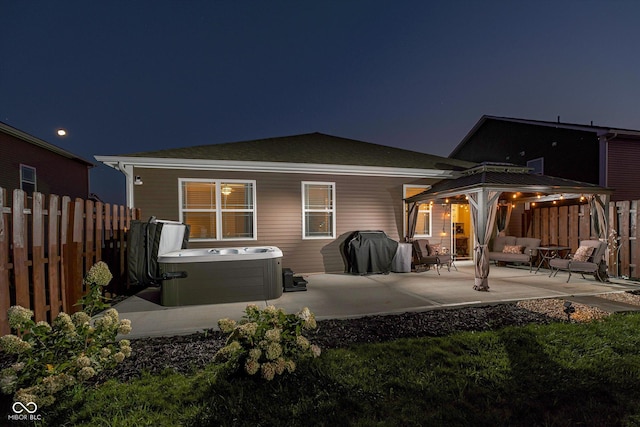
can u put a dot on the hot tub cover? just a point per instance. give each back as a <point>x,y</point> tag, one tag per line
<point>147,240</point>
<point>370,252</point>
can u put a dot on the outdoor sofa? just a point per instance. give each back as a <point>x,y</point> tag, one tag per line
<point>511,249</point>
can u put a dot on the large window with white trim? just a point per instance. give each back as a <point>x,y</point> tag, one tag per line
<point>424,220</point>
<point>218,209</point>
<point>318,210</point>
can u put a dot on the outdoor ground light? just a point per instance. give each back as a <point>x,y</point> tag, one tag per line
<point>569,310</point>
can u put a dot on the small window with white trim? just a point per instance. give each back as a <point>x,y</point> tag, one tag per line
<point>318,210</point>
<point>28,179</point>
<point>537,165</point>
<point>218,209</point>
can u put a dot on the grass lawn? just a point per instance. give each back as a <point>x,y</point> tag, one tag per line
<point>548,375</point>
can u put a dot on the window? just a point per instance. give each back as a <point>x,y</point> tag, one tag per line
<point>537,165</point>
<point>28,179</point>
<point>218,210</point>
<point>423,223</point>
<point>318,210</point>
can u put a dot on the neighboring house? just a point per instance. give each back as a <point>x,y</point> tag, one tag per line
<point>32,164</point>
<point>599,155</point>
<point>304,194</point>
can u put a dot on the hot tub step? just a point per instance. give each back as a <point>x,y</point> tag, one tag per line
<point>292,283</point>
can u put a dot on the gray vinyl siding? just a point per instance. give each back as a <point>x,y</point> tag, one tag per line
<point>362,203</point>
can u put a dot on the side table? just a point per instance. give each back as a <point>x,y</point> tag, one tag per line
<point>547,253</point>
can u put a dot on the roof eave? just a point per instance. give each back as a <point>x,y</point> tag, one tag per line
<point>273,167</point>
<point>42,144</point>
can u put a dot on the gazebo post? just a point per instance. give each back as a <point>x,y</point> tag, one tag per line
<point>484,205</point>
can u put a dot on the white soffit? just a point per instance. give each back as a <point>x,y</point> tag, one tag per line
<point>275,167</point>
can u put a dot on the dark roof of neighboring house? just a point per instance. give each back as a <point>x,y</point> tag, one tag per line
<point>598,130</point>
<point>314,148</point>
<point>506,177</point>
<point>17,133</point>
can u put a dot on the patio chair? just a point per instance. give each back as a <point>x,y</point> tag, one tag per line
<point>586,260</point>
<point>425,254</point>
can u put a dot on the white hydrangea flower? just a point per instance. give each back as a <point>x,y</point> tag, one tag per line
<point>226,325</point>
<point>268,371</point>
<point>86,373</point>
<point>251,366</point>
<point>83,361</point>
<point>274,350</point>
<point>19,316</point>
<point>99,274</point>
<point>273,334</point>
<point>125,327</point>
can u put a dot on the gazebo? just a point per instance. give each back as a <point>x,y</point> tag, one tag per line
<point>483,187</point>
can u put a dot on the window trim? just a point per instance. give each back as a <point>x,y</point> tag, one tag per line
<point>406,206</point>
<point>332,210</point>
<point>23,181</point>
<point>218,209</point>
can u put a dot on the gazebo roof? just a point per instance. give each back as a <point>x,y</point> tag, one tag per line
<point>505,177</point>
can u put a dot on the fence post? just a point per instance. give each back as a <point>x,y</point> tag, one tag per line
<point>585,222</point>
<point>64,237</point>
<point>624,226</point>
<point>574,227</point>
<point>89,243</point>
<point>5,297</point>
<point>37,259</point>
<point>99,237</point>
<point>20,257</point>
<point>74,258</point>
<point>54,256</point>
<point>634,241</point>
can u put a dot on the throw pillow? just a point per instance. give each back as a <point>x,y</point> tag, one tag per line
<point>583,253</point>
<point>513,249</point>
<point>428,250</point>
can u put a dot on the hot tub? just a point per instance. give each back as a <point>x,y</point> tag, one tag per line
<point>220,275</point>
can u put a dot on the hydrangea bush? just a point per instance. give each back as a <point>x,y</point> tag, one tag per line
<point>269,342</point>
<point>71,350</point>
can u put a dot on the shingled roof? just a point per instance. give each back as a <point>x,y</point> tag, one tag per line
<point>316,148</point>
<point>506,178</point>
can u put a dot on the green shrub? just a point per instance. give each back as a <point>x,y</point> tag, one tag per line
<point>71,350</point>
<point>269,341</point>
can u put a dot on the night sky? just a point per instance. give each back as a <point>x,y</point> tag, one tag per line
<point>128,76</point>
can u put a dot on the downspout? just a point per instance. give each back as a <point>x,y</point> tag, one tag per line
<point>127,170</point>
<point>603,177</point>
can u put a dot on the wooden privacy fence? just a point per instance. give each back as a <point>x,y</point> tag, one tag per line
<point>567,225</point>
<point>47,248</point>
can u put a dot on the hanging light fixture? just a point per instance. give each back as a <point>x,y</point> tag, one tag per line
<point>226,189</point>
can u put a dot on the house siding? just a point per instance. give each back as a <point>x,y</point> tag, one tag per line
<point>55,174</point>
<point>362,203</point>
<point>622,169</point>
<point>574,155</point>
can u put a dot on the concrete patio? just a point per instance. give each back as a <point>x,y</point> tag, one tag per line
<point>345,295</point>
